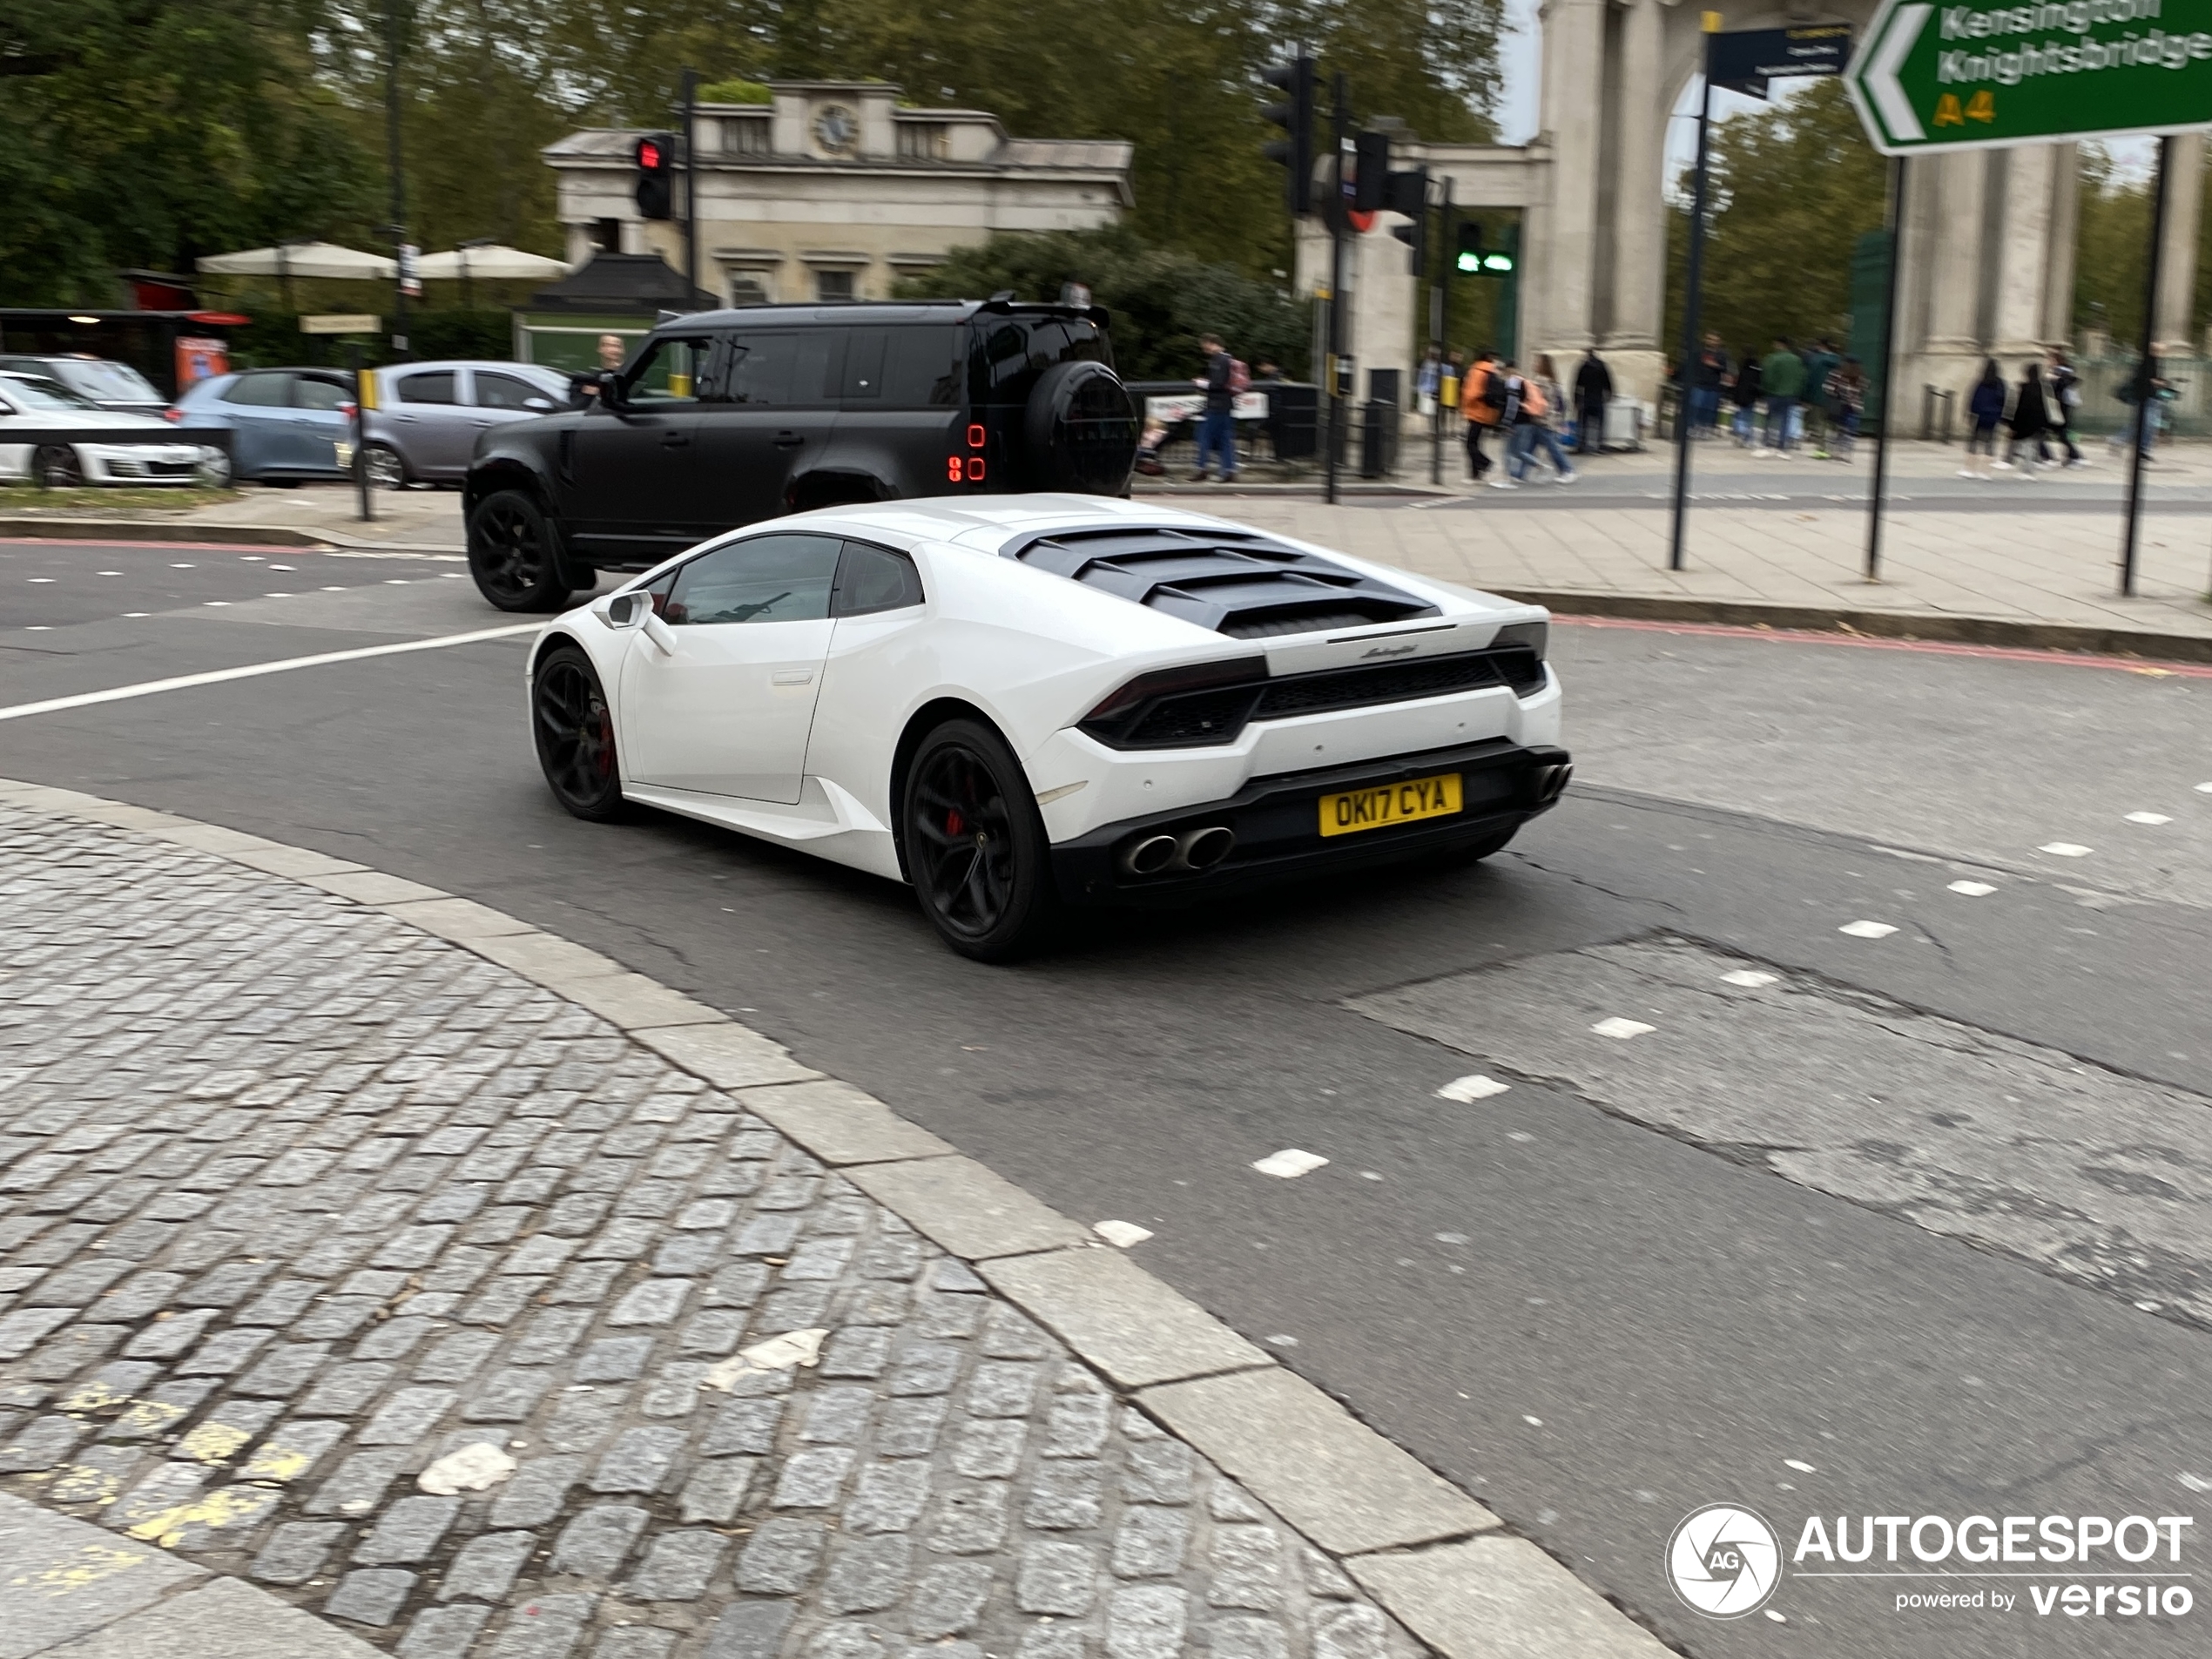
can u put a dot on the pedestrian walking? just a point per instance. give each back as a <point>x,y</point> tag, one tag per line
<point>1593,396</point>
<point>2161,389</point>
<point>1428,381</point>
<point>1707,382</point>
<point>1218,424</point>
<point>1743,392</point>
<point>1543,406</point>
<point>1845,395</point>
<point>2066,397</point>
<point>1511,391</point>
<point>2030,420</point>
<point>1782,381</point>
<point>1481,404</point>
<point>1821,362</point>
<point>1986,408</point>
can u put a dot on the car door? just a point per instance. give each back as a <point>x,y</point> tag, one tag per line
<point>433,429</point>
<point>630,467</point>
<point>14,458</point>
<point>499,398</point>
<point>321,429</point>
<point>774,410</point>
<point>726,709</point>
<point>257,406</point>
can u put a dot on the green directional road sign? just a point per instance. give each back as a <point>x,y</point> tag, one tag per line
<point>1967,77</point>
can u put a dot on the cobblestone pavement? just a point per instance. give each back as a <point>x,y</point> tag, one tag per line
<point>295,1199</point>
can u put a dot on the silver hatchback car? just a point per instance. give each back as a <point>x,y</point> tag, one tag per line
<point>429,416</point>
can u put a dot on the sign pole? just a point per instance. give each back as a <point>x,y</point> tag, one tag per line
<point>2143,377</point>
<point>364,399</point>
<point>1889,355</point>
<point>690,188</point>
<point>1339,121</point>
<point>1686,372</point>
<point>1440,277</point>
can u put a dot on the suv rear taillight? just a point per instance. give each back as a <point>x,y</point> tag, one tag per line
<point>968,467</point>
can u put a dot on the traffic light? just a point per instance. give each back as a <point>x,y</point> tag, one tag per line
<point>655,190</point>
<point>1294,150</point>
<point>1407,193</point>
<point>1371,191</point>
<point>1467,257</point>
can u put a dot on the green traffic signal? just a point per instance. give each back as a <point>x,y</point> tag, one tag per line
<point>1497,264</point>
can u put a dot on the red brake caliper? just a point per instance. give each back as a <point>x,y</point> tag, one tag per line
<point>953,822</point>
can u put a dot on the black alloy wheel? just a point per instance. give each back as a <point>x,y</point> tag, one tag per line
<point>575,735</point>
<point>512,554</point>
<point>55,466</point>
<point>975,846</point>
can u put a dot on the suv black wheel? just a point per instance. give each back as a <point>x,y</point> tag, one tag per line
<point>576,734</point>
<point>975,846</point>
<point>513,555</point>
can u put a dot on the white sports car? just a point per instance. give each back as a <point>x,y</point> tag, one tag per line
<point>1031,701</point>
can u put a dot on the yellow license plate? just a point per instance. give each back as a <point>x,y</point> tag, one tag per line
<point>1366,809</point>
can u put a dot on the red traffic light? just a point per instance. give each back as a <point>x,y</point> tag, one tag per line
<point>653,155</point>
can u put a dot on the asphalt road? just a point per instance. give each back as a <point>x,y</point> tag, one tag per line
<point>1590,1310</point>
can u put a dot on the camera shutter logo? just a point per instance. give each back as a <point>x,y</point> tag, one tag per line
<point>1724,1561</point>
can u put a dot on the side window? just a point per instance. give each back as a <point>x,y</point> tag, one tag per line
<point>870,579</point>
<point>910,367</point>
<point>864,352</point>
<point>668,372</point>
<point>783,368</point>
<point>436,388</point>
<point>767,578</point>
<point>258,391</point>
<point>320,395</point>
<point>506,392</point>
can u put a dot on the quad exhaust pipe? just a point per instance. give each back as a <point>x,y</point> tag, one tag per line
<point>1192,851</point>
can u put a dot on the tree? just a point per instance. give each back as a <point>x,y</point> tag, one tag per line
<point>148,132</point>
<point>2111,250</point>
<point>1161,299</point>
<point>1795,186</point>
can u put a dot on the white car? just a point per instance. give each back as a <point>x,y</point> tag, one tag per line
<point>32,401</point>
<point>1032,701</point>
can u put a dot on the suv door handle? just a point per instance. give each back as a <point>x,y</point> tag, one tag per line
<point>674,441</point>
<point>788,440</point>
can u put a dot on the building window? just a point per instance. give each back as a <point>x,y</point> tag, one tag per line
<point>745,135</point>
<point>748,289</point>
<point>924,141</point>
<point>833,284</point>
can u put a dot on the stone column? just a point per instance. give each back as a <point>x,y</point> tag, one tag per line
<point>1639,208</point>
<point>1955,255</point>
<point>1557,304</point>
<point>2023,255</point>
<point>2177,252</point>
<point>2065,224</point>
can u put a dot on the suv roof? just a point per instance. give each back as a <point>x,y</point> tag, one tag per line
<point>860,312</point>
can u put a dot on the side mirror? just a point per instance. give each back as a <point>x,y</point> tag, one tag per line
<point>627,610</point>
<point>539,403</point>
<point>611,391</point>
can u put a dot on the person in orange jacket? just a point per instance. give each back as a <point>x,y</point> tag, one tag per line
<point>1483,416</point>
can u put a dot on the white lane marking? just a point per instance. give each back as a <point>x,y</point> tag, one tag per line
<point>183,567</point>
<point>2204,789</point>
<point>452,575</point>
<point>276,596</point>
<point>1750,978</point>
<point>35,580</point>
<point>2148,818</point>
<point>1522,1136</point>
<point>39,628</point>
<point>396,581</point>
<point>218,603</point>
<point>1974,889</point>
<point>1617,1027</point>
<point>1290,1164</point>
<point>1282,1341</point>
<point>137,613</point>
<point>284,567</point>
<point>1472,1088</point>
<point>2064,849</point>
<point>1369,1175</point>
<point>2196,1483</point>
<point>1868,929</point>
<point>1532,1422</point>
<point>148,688</point>
<point>107,573</point>
<point>1123,1233</point>
<point>334,589</point>
<point>1448,1238</point>
<point>1801,1466</point>
<point>252,558</point>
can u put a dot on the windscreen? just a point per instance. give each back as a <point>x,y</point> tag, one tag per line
<point>99,378</point>
<point>45,394</point>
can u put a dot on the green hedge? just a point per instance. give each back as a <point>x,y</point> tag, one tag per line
<point>273,340</point>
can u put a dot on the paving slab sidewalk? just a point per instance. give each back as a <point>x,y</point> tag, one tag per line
<point>311,1179</point>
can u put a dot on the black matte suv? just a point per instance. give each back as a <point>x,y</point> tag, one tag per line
<point>723,418</point>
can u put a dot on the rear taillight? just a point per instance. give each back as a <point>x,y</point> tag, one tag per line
<point>349,410</point>
<point>1193,677</point>
<point>175,416</point>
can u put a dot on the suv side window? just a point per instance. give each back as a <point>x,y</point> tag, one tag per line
<point>909,368</point>
<point>258,391</point>
<point>870,579</point>
<point>670,372</point>
<point>766,578</point>
<point>783,368</point>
